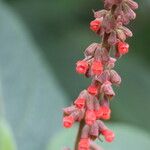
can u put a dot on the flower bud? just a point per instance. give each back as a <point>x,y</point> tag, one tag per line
<point>68,121</point>
<point>107,89</point>
<point>80,102</point>
<point>122,48</point>
<point>99,112</point>
<point>95,25</point>
<point>99,14</point>
<point>106,112</point>
<point>83,94</point>
<point>69,110</point>
<point>129,13</point>
<point>114,77</point>
<point>127,32</point>
<point>112,40</point>
<point>81,67</point>
<point>81,115</point>
<point>133,5</point>
<point>91,49</point>
<point>90,117</point>
<point>102,54</point>
<point>121,35</point>
<point>108,134</point>
<point>76,114</point>
<point>97,67</point>
<point>94,131</point>
<point>90,104</point>
<point>101,125</point>
<point>105,76</point>
<point>111,63</point>
<point>84,144</point>
<point>93,89</point>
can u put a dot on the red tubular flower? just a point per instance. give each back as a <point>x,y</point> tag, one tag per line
<point>108,134</point>
<point>68,121</point>
<point>97,67</point>
<point>90,117</point>
<point>81,67</point>
<point>106,112</point>
<point>93,89</point>
<point>84,144</point>
<point>95,25</point>
<point>123,48</point>
<point>80,102</point>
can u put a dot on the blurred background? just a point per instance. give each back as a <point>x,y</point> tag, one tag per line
<point>40,42</point>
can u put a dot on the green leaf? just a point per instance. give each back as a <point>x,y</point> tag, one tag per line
<point>6,137</point>
<point>127,138</point>
<point>33,98</point>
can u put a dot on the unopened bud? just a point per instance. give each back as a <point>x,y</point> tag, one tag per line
<point>114,77</point>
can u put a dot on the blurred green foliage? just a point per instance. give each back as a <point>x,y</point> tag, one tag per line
<point>40,42</point>
<point>6,137</point>
<point>30,90</point>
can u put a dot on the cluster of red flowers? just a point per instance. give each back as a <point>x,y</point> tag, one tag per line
<point>93,104</point>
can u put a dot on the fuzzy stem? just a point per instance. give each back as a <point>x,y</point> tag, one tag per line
<point>81,125</point>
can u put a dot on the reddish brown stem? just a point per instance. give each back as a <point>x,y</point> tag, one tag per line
<point>81,125</point>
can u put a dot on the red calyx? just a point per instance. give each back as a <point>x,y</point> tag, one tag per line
<point>81,67</point>
<point>95,25</point>
<point>108,134</point>
<point>68,121</point>
<point>97,67</point>
<point>84,144</point>
<point>80,102</point>
<point>90,117</point>
<point>122,48</point>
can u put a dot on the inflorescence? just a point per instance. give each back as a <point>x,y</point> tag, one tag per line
<point>92,106</point>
